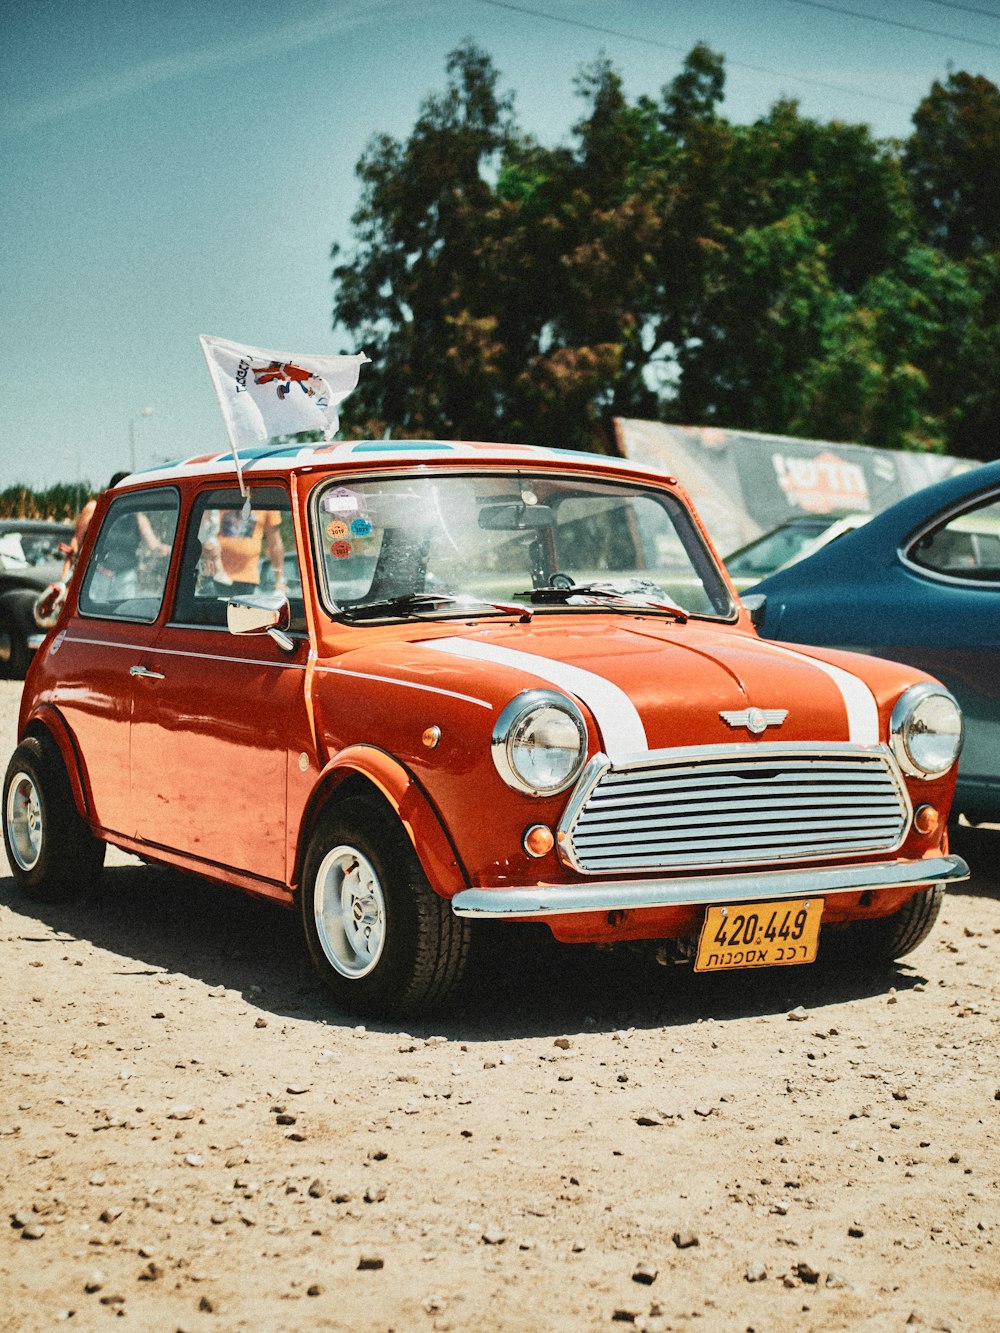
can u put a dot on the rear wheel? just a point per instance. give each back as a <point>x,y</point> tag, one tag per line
<point>52,853</point>
<point>890,937</point>
<point>381,939</point>
<point>14,653</point>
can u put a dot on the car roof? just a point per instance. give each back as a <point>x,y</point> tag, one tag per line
<point>876,542</point>
<point>34,525</point>
<point>296,458</point>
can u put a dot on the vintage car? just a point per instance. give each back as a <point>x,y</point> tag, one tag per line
<point>486,682</point>
<point>785,545</point>
<point>31,558</point>
<point>920,583</point>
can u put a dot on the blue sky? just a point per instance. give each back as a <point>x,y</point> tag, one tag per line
<point>174,169</point>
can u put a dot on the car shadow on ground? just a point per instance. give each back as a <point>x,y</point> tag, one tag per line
<point>980,847</point>
<point>520,982</point>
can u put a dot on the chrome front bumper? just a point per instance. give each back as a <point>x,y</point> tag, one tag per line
<point>541,900</point>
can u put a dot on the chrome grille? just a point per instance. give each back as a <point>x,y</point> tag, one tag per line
<point>722,805</point>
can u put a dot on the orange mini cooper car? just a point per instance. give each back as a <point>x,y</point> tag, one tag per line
<point>406,685</point>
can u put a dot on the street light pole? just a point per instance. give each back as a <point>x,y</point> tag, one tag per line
<point>146,412</point>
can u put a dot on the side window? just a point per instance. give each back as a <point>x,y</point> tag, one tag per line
<point>967,546</point>
<point>127,570</point>
<point>229,553</point>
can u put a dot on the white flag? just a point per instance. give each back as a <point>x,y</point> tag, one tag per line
<point>264,393</point>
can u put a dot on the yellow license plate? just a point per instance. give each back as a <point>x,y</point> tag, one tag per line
<point>759,935</point>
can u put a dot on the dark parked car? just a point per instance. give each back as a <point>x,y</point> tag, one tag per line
<point>919,583</point>
<point>790,541</point>
<point>30,559</point>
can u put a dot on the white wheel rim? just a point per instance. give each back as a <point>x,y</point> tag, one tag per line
<point>24,821</point>
<point>349,912</point>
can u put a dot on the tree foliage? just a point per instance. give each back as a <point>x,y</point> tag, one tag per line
<point>789,275</point>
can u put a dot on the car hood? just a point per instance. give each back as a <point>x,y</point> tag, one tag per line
<point>646,686</point>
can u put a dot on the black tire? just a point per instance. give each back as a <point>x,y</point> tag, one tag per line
<point>14,654</point>
<point>889,937</point>
<point>52,853</point>
<point>383,942</point>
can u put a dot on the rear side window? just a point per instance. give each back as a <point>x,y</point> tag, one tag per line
<point>966,546</point>
<point>127,572</point>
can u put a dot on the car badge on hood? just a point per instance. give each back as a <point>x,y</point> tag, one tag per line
<point>755,720</point>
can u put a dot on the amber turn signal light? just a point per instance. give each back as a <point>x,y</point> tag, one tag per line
<point>538,840</point>
<point>925,820</point>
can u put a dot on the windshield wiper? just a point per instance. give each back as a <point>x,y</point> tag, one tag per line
<point>639,596</point>
<point>417,603</point>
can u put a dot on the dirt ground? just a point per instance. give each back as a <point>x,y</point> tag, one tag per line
<point>192,1138</point>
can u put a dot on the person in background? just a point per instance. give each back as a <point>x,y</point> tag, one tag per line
<point>231,547</point>
<point>80,526</point>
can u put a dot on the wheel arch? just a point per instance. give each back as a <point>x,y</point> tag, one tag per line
<point>369,771</point>
<point>46,722</point>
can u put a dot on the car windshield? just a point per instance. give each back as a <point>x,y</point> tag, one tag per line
<point>451,544</point>
<point>778,547</point>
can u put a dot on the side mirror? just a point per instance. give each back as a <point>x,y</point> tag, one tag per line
<point>261,613</point>
<point>756,604</point>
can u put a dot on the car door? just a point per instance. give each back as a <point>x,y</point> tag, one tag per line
<point>100,648</point>
<point>221,716</point>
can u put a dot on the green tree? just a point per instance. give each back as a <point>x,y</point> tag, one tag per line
<point>952,162</point>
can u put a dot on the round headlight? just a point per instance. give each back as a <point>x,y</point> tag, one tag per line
<point>540,743</point>
<point>926,730</point>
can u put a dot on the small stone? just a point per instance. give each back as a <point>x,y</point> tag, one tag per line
<point>684,1240</point>
<point>151,1272</point>
<point>622,1315</point>
<point>33,1231</point>
<point>563,1043</point>
<point>900,1095</point>
<point>317,1189</point>
<point>369,1263</point>
<point>115,1299</point>
<point>374,1194</point>
<point>94,1282</point>
<point>205,1305</point>
<point>647,1118</point>
<point>260,1023</point>
<point>285,1119</point>
<point>181,1113</point>
<point>836,1280</point>
<point>855,1231</point>
<point>493,1236</point>
<point>806,1273</point>
<point>756,1272</point>
<point>314,1290</point>
<point>194,1159</point>
<point>797,1015</point>
<point>297,1089</point>
<point>110,1215</point>
<point>645,1273</point>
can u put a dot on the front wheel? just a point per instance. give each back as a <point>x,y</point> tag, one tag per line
<point>52,853</point>
<point>381,939</point>
<point>889,937</point>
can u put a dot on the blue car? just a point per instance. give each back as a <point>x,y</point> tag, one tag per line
<point>918,583</point>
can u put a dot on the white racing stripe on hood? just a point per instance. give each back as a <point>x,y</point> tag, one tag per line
<point>862,710</point>
<point>614,712</point>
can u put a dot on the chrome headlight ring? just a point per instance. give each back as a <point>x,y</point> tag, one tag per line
<point>926,730</point>
<point>539,743</point>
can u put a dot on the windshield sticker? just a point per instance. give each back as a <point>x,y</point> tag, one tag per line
<point>336,529</point>
<point>341,550</point>
<point>341,501</point>
<point>361,527</point>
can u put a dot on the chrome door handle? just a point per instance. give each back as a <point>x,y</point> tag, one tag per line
<point>146,673</point>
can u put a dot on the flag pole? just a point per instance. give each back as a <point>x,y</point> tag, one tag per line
<point>226,421</point>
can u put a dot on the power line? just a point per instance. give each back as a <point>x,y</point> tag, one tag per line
<point>896,23</point>
<point>670,46</point>
<point>965,9</point>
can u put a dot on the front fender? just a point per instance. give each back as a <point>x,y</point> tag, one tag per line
<point>402,792</point>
